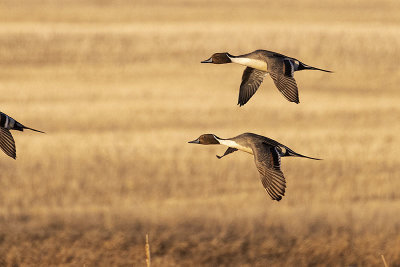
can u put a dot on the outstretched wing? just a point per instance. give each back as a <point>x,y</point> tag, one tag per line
<point>228,151</point>
<point>287,85</point>
<point>251,80</point>
<point>268,163</point>
<point>7,143</point>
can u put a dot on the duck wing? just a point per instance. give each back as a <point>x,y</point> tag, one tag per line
<point>228,151</point>
<point>251,80</point>
<point>286,85</point>
<point>268,162</point>
<point>7,143</point>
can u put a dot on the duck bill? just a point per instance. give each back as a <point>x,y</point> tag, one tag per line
<point>197,141</point>
<point>207,60</point>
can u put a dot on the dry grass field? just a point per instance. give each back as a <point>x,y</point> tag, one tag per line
<point>119,90</point>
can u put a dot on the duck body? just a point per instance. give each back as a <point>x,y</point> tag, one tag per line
<point>7,143</point>
<point>258,64</point>
<point>267,156</point>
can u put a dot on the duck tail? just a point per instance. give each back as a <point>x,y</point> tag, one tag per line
<point>303,66</point>
<point>291,153</point>
<point>20,127</point>
<point>33,129</point>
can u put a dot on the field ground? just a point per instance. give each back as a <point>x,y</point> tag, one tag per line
<point>119,90</point>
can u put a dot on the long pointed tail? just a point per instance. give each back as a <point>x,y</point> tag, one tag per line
<point>303,66</point>
<point>290,152</point>
<point>32,129</point>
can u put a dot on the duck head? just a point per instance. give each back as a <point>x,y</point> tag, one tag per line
<point>219,58</point>
<point>206,139</point>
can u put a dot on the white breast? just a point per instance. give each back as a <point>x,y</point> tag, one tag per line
<point>249,62</point>
<point>233,144</point>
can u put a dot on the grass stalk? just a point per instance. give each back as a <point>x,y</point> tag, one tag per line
<point>147,248</point>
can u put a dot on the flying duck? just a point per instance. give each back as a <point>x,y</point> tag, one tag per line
<point>7,143</point>
<point>267,155</point>
<point>258,64</point>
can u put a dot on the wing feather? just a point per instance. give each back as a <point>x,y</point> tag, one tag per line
<point>7,143</point>
<point>267,160</point>
<point>287,86</point>
<point>251,80</point>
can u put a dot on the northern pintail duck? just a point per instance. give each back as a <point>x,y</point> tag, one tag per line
<point>7,143</point>
<point>267,155</point>
<point>260,62</point>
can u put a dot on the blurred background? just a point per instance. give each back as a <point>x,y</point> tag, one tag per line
<point>119,90</point>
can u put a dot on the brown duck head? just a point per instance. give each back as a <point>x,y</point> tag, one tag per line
<point>219,58</point>
<point>206,139</point>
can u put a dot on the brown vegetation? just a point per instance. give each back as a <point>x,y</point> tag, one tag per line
<point>119,89</point>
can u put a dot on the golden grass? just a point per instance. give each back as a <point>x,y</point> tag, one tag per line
<point>119,90</point>
<point>148,258</point>
<point>384,261</point>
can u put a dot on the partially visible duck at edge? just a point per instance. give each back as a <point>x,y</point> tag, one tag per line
<point>260,62</point>
<point>7,143</point>
<point>267,156</point>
